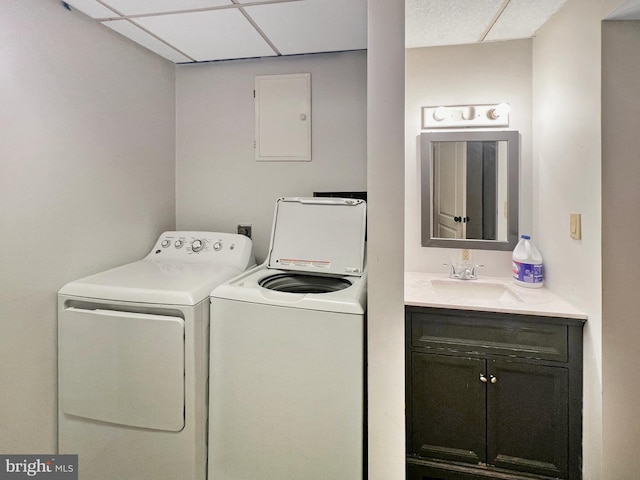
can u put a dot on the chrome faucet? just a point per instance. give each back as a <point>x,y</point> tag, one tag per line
<point>464,272</point>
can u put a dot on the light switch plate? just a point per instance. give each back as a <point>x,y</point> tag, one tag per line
<point>575,226</point>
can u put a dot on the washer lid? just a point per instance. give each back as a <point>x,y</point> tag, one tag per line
<point>318,235</point>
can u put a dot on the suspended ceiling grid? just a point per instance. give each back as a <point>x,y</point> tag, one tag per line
<point>186,31</point>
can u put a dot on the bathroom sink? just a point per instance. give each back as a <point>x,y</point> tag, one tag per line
<point>474,290</point>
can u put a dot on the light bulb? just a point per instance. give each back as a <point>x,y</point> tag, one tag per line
<point>468,113</point>
<point>499,111</point>
<point>440,114</point>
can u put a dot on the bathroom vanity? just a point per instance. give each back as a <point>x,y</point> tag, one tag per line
<point>493,381</point>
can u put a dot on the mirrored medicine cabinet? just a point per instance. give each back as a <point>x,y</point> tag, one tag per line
<point>469,189</point>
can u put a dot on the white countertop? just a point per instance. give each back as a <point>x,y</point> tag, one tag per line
<point>489,294</point>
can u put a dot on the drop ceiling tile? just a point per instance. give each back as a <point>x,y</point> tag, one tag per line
<point>210,35</point>
<point>451,22</point>
<point>627,11</point>
<point>128,29</point>
<point>138,7</point>
<point>522,18</point>
<point>312,26</point>
<point>91,8</point>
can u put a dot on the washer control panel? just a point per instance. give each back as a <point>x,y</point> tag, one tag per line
<point>202,246</point>
<point>191,243</point>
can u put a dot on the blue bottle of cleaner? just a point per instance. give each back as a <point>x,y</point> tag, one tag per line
<point>528,270</point>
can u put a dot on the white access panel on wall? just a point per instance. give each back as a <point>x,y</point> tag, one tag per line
<point>283,117</point>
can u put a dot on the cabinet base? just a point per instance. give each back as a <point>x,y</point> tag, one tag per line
<point>421,469</point>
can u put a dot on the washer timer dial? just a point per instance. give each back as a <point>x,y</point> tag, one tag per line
<point>197,245</point>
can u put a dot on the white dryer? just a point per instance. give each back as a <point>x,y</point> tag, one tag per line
<point>287,360</point>
<point>133,359</point>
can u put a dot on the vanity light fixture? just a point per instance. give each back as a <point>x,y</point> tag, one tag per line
<point>456,116</point>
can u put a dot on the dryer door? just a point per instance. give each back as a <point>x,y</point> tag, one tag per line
<point>122,367</point>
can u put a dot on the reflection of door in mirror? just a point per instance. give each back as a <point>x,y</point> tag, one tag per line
<point>449,188</point>
<point>469,189</point>
<point>466,188</point>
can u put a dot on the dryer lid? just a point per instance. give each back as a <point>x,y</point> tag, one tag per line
<point>321,235</point>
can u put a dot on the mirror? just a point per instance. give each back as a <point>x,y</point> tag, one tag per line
<point>470,189</point>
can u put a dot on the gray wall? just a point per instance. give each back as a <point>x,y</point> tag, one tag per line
<point>86,182</point>
<point>620,234</point>
<point>218,181</point>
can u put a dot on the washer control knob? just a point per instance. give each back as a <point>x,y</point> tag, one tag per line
<point>179,244</point>
<point>217,246</point>
<point>165,243</point>
<point>197,245</point>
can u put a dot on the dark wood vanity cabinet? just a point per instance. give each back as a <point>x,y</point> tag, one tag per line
<point>492,395</point>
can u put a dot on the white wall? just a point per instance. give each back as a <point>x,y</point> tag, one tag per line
<point>461,75</point>
<point>567,178</point>
<point>220,184</point>
<point>620,255</point>
<point>86,182</point>
<point>385,181</point>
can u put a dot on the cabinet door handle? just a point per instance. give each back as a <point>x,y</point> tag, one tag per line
<point>493,379</point>
<point>483,379</point>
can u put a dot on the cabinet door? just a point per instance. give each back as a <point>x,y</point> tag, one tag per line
<point>527,409</point>
<point>448,409</point>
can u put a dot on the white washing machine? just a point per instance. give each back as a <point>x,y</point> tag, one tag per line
<point>287,351</point>
<point>133,359</point>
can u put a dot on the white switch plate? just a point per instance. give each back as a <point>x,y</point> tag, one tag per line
<point>575,226</point>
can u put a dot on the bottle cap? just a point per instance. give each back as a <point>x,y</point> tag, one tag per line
<point>526,237</point>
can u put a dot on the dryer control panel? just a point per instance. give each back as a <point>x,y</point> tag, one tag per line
<point>218,247</point>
